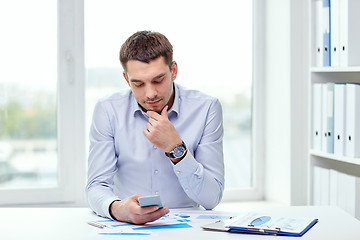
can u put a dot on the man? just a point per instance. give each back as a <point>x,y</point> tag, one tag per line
<point>155,139</point>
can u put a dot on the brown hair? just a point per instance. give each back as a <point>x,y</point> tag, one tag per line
<point>145,46</point>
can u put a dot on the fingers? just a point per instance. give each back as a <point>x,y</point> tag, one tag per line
<point>153,121</point>
<point>140,215</point>
<point>160,131</point>
<point>149,217</point>
<point>146,210</point>
<point>157,214</point>
<point>129,210</point>
<point>164,111</point>
<point>153,115</point>
<point>136,196</point>
<point>146,133</point>
<point>149,126</point>
<point>156,116</point>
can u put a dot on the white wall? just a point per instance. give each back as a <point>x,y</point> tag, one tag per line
<point>300,90</point>
<point>286,102</point>
<point>277,123</point>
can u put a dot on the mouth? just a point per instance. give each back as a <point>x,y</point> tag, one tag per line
<point>153,103</point>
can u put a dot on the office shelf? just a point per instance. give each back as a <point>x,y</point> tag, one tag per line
<point>335,69</point>
<point>333,179</point>
<point>333,157</point>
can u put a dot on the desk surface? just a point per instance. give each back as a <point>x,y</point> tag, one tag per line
<point>71,223</point>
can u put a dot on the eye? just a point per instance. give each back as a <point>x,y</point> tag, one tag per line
<point>138,84</point>
<point>158,81</point>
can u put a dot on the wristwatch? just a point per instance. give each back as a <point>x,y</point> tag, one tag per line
<point>177,152</point>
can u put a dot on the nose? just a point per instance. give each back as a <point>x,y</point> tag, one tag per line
<point>151,92</point>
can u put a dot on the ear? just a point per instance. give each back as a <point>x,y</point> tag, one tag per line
<point>174,70</point>
<point>126,78</point>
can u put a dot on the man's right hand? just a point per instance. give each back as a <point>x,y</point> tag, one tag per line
<point>129,210</point>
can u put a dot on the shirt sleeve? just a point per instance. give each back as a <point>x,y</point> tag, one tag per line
<point>101,163</point>
<point>202,177</point>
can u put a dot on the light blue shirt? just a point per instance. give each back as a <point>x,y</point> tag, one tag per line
<point>123,162</point>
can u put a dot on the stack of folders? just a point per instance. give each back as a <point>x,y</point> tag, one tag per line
<point>336,118</point>
<point>336,34</point>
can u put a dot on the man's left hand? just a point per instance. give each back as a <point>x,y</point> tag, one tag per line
<point>160,131</point>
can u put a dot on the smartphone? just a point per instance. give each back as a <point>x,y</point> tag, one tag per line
<point>150,201</point>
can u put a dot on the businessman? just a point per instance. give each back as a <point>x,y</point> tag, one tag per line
<point>155,138</point>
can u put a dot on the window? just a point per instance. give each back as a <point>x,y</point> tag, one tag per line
<point>42,87</point>
<point>28,111</point>
<point>212,43</point>
<point>39,79</point>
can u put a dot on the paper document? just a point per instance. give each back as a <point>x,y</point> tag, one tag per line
<point>259,223</point>
<point>175,220</point>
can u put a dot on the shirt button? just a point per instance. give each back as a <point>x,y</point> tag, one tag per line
<point>178,172</point>
<point>156,193</point>
<point>156,171</point>
<point>186,189</point>
<point>154,147</point>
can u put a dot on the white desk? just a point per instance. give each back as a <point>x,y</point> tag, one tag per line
<point>71,223</point>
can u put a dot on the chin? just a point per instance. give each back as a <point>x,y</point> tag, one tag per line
<point>157,109</point>
<point>152,109</point>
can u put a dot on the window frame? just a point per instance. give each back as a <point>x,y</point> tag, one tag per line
<point>70,116</point>
<point>256,192</point>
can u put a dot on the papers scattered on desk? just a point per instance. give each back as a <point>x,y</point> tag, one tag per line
<point>259,223</point>
<point>176,220</point>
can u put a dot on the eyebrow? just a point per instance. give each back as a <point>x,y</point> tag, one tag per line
<point>154,78</point>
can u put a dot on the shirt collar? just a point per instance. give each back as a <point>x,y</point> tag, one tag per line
<point>175,109</point>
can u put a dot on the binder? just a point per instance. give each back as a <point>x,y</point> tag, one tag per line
<point>352,144</point>
<point>324,186</point>
<point>319,47</point>
<point>339,119</point>
<point>333,199</point>
<point>326,32</point>
<point>316,191</point>
<point>259,223</point>
<point>349,33</point>
<point>335,32</point>
<point>343,32</point>
<point>341,195</point>
<point>357,198</point>
<point>328,118</point>
<point>350,203</point>
<point>317,133</point>
<point>324,117</point>
<point>262,223</point>
<point>347,192</point>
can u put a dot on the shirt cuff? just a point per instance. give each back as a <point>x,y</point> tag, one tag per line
<point>187,166</point>
<point>106,206</point>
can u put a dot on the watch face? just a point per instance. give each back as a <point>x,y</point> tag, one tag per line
<point>179,151</point>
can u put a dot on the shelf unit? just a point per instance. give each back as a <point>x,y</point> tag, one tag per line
<point>319,158</point>
<point>316,158</point>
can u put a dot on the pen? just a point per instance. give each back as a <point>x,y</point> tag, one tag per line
<point>95,224</point>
